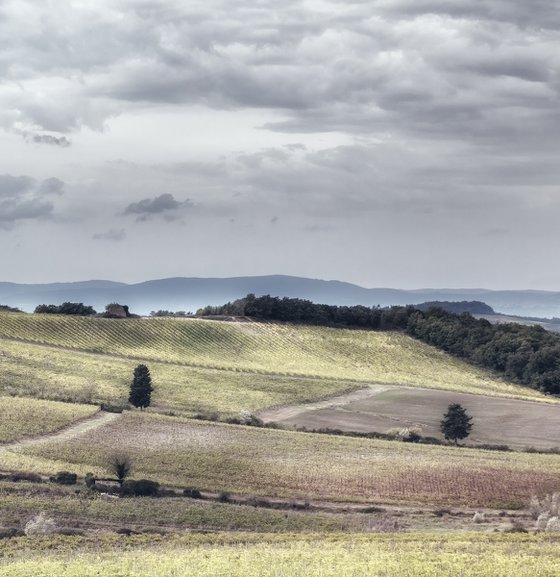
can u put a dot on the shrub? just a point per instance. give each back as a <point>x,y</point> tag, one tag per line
<point>40,525</point>
<point>192,493</point>
<point>140,488</point>
<point>553,525</point>
<point>247,418</point>
<point>65,478</point>
<point>112,408</point>
<point>30,477</point>
<point>546,511</point>
<point>549,504</point>
<point>479,517</point>
<point>90,480</point>
<point>8,532</point>
<point>224,497</point>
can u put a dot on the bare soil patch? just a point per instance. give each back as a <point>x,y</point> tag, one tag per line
<point>512,422</point>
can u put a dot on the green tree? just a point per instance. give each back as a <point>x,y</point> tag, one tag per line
<point>141,387</point>
<point>456,424</point>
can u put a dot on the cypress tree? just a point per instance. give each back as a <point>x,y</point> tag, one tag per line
<point>141,387</point>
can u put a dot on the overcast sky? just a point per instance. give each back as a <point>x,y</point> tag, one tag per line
<point>404,143</point>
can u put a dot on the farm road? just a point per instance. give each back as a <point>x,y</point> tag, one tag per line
<point>290,411</point>
<point>83,426</point>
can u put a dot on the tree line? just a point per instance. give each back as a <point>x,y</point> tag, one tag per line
<point>528,355</point>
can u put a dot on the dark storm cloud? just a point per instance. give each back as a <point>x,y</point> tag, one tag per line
<point>24,198</point>
<point>164,204</point>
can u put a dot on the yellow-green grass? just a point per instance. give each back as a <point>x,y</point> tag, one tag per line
<point>419,555</point>
<point>48,372</point>
<point>266,462</point>
<point>25,417</point>
<point>20,502</point>
<point>266,348</point>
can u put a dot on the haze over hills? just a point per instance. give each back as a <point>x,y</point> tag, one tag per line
<point>189,294</point>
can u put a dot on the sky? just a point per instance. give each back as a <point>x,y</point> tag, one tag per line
<point>401,143</point>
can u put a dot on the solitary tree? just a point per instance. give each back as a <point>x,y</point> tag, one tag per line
<point>456,424</point>
<point>141,387</point>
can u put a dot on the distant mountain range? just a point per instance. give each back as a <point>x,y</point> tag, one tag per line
<point>190,294</point>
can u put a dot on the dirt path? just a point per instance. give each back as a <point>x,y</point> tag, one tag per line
<point>290,411</point>
<point>79,428</point>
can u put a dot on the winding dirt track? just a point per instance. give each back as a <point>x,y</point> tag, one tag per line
<point>75,430</point>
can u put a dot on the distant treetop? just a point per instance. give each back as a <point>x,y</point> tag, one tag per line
<point>8,309</point>
<point>66,309</point>
<point>471,307</point>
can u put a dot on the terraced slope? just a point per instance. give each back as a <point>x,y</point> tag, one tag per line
<point>347,356</point>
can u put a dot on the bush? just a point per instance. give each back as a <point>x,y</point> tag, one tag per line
<point>30,477</point>
<point>553,525</point>
<point>65,478</point>
<point>40,525</point>
<point>192,493</point>
<point>479,517</point>
<point>549,504</point>
<point>224,497</point>
<point>8,532</point>
<point>546,511</point>
<point>112,408</point>
<point>140,488</point>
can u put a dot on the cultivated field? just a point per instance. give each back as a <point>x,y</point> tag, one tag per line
<point>245,460</point>
<point>261,555</point>
<point>348,356</point>
<point>315,505</point>
<point>513,422</point>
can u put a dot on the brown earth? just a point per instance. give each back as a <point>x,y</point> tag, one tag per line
<point>512,422</point>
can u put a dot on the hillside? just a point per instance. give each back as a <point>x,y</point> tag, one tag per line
<point>350,357</point>
<point>249,478</point>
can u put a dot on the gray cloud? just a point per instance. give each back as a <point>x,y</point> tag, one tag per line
<point>164,204</point>
<point>24,198</point>
<point>424,123</point>
<point>112,235</point>
<point>52,185</point>
<point>61,141</point>
<point>430,68</point>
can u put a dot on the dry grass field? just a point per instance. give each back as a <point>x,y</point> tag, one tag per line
<point>26,417</point>
<point>251,461</point>
<point>261,555</point>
